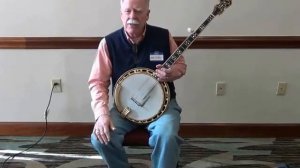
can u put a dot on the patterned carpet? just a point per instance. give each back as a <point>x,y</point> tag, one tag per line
<point>74,152</point>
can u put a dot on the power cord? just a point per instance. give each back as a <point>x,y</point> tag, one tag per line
<point>39,140</point>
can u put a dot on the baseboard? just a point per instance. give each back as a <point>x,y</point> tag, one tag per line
<point>186,130</point>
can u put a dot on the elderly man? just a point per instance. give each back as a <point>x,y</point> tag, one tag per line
<point>130,47</point>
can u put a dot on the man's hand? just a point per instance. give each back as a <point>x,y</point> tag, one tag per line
<point>176,71</point>
<point>102,128</point>
<point>163,74</point>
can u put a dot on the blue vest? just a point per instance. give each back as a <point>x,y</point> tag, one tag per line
<point>125,56</point>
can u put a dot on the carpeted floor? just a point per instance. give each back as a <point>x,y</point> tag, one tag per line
<point>74,152</point>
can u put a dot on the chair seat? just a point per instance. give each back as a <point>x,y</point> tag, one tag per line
<point>137,137</point>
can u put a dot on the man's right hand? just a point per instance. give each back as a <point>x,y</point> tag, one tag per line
<point>102,128</point>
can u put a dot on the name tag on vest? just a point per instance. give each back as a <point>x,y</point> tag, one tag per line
<point>156,56</point>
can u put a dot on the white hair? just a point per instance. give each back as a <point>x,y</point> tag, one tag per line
<point>147,2</point>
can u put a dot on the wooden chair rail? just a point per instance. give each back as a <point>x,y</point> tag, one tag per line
<point>205,42</point>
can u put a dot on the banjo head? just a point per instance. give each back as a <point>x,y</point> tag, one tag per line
<point>133,85</point>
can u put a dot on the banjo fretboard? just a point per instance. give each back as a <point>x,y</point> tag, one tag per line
<point>190,39</point>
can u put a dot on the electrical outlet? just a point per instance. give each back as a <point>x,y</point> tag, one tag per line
<point>220,88</point>
<point>56,85</point>
<point>281,88</point>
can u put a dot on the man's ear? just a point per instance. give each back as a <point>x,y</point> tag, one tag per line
<point>148,14</point>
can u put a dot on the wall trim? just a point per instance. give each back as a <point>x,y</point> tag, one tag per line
<point>186,130</point>
<point>204,42</point>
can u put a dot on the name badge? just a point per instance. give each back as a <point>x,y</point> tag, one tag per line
<point>156,56</point>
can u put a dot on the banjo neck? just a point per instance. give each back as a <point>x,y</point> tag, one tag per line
<point>219,8</point>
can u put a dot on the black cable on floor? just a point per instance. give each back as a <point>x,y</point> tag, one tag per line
<point>39,140</point>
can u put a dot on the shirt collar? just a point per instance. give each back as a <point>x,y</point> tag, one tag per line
<point>136,40</point>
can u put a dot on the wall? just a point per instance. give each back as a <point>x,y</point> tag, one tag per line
<point>251,75</point>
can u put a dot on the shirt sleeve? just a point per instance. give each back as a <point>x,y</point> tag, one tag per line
<point>99,80</point>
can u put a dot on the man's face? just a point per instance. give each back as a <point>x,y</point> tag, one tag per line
<point>134,15</point>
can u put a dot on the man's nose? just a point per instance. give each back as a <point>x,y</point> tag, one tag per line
<point>132,14</point>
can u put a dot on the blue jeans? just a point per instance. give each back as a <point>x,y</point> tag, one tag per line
<point>163,139</point>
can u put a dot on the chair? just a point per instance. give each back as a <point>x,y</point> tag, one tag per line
<point>137,137</point>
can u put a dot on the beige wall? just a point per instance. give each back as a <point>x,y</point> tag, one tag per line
<point>251,75</point>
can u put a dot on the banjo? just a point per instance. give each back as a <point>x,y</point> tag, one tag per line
<point>139,96</point>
